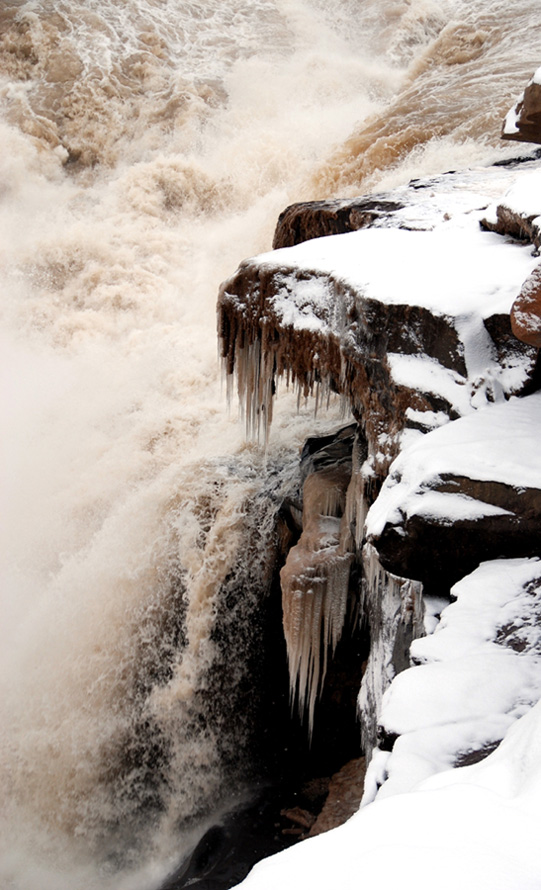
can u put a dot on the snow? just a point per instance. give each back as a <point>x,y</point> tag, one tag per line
<point>472,678</point>
<point>452,269</point>
<point>510,126</point>
<point>477,826</point>
<point>295,305</point>
<point>452,835</point>
<point>476,678</point>
<point>498,443</point>
<point>419,372</point>
<point>524,196</point>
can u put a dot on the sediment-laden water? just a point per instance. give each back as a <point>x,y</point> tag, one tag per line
<point>147,147</point>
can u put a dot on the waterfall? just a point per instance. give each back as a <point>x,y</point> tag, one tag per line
<point>147,147</point>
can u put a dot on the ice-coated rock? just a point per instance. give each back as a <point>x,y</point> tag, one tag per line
<point>411,327</point>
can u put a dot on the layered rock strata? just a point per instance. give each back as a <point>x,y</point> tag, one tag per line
<point>467,492</point>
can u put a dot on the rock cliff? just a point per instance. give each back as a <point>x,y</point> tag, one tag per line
<point>404,311</point>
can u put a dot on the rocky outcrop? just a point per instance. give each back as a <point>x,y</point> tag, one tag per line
<point>523,122</point>
<point>315,219</point>
<point>409,337</point>
<point>407,319</point>
<point>526,311</point>
<point>449,504</point>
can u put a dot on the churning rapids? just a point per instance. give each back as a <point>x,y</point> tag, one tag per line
<point>147,147</point>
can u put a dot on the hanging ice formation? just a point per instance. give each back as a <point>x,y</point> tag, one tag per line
<point>315,581</point>
<point>395,612</point>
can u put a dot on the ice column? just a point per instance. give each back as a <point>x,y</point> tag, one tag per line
<point>315,582</point>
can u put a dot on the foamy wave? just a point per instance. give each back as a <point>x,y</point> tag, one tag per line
<point>456,92</point>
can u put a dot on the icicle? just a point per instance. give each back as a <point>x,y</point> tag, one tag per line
<point>315,583</point>
<point>260,350</point>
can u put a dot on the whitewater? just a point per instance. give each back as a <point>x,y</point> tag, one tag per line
<point>147,147</point>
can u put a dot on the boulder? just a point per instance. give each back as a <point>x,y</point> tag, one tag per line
<point>465,493</point>
<point>526,311</point>
<point>315,219</point>
<point>523,121</point>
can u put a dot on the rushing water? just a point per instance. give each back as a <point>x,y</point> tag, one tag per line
<point>147,147</point>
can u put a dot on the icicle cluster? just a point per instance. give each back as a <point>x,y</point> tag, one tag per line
<point>315,582</point>
<point>260,349</point>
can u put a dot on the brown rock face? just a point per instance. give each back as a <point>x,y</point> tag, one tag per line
<point>523,123</point>
<point>315,219</point>
<point>526,311</point>
<point>347,351</point>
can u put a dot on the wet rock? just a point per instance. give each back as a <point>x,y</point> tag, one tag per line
<point>299,816</point>
<point>325,451</point>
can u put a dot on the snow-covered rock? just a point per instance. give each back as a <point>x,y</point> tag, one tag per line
<point>523,121</point>
<point>464,493</point>
<point>477,674</point>
<point>411,325</point>
<point>406,315</point>
<point>518,212</point>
